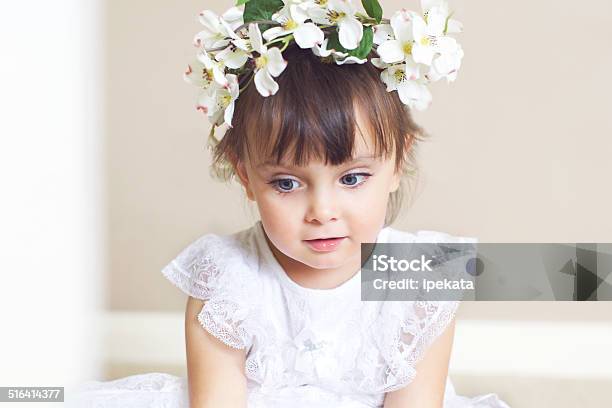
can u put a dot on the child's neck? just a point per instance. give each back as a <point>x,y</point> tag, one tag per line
<point>314,278</point>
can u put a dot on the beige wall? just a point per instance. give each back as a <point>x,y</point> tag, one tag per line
<point>520,150</point>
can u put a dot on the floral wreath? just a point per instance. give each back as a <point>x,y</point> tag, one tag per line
<point>413,49</point>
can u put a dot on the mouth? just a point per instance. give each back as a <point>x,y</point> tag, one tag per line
<point>324,244</point>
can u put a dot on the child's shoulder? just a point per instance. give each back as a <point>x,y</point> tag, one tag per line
<point>221,269</point>
<point>391,235</point>
<point>213,260</point>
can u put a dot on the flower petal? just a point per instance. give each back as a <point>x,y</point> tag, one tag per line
<point>241,43</point>
<point>256,41</point>
<point>391,51</point>
<point>232,81</point>
<point>233,16</point>
<point>436,20</point>
<point>264,83</point>
<point>298,14</point>
<point>307,35</point>
<point>414,94</point>
<point>210,20</point>
<point>411,70</point>
<point>382,33</point>
<point>401,22</point>
<point>422,54</point>
<point>274,32</point>
<point>351,60</point>
<point>276,63</point>
<point>228,31</point>
<point>379,63</point>
<point>350,33</point>
<point>228,114</point>
<point>343,6</point>
<point>419,28</point>
<point>194,74</point>
<point>388,78</point>
<point>318,15</point>
<point>235,59</point>
<point>321,50</point>
<point>207,102</point>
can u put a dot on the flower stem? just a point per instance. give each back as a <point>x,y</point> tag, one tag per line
<point>248,82</point>
<point>274,41</point>
<point>287,40</point>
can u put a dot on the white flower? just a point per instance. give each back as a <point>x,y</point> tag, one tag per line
<point>216,68</point>
<point>306,35</point>
<point>205,72</point>
<point>453,26</point>
<point>270,63</point>
<point>217,31</point>
<point>235,55</point>
<point>400,47</point>
<point>197,74</point>
<point>341,13</point>
<point>405,79</point>
<point>448,62</point>
<point>218,102</point>
<point>427,33</point>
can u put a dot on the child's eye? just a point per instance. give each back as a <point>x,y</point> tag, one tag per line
<point>354,179</point>
<point>284,185</point>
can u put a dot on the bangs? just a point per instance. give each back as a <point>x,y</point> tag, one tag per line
<point>314,115</point>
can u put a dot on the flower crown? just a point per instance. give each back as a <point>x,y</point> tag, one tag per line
<point>413,49</point>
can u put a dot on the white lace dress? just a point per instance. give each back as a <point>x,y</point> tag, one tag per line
<point>305,347</point>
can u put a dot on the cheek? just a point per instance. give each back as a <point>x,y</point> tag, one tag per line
<point>278,214</point>
<point>368,208</point>
<point>373,196</point>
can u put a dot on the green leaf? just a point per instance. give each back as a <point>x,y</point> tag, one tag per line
<point>240,2</point>
<point>373,8</point>
<point>261,10</point>
<point>362,51</point>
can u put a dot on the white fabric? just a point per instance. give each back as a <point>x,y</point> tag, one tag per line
<point>305,347</point>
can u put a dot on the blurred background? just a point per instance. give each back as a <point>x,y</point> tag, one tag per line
<point>105,179</point>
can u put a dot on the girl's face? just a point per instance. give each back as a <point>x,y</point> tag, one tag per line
<point>299,206</point>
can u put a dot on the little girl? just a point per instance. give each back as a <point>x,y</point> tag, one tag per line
<point>274,315</point>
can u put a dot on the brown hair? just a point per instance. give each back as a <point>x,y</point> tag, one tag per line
<point>312,116</point>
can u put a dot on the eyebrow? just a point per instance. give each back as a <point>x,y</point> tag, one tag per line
<point>353,160</point>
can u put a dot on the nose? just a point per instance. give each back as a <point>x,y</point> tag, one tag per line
<point>321,207</point>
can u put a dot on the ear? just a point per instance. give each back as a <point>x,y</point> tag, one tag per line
<point>244,180</point>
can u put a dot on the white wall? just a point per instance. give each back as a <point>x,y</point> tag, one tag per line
<point>51,241</point>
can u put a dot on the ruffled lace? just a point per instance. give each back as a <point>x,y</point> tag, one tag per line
<point>220,270</point>
<point>403,345</point>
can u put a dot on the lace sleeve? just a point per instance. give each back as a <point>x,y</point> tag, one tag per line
<point>407,329</point>
<point>422,322</point>
<point>218,269</point>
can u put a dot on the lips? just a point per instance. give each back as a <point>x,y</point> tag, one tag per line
<point>324,244</point>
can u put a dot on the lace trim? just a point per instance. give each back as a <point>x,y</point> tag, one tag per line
<point>185,282</point>
<point>415,334</point>
<point>226,321</point>
<point>219,271</point>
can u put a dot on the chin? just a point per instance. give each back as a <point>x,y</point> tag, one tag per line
<point>324,260</point>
